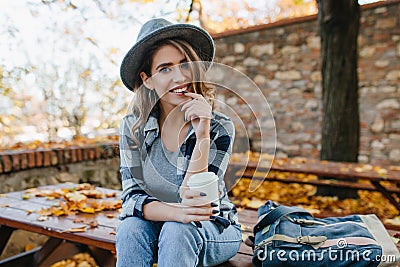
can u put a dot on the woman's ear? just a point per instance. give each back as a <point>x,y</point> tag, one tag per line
<point>147,81</point>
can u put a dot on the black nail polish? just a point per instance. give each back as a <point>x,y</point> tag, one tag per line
<point>214,204</point>
<point>212,217</point>
<point>202,194</point>
<point>215,211</point>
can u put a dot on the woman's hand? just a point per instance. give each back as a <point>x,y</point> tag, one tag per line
<point>198,111</point>
<point>195,207</point>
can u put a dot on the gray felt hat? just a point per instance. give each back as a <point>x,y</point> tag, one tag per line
<point>156,30</point>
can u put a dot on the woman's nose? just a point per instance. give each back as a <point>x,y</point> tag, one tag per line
<point>178,75</point>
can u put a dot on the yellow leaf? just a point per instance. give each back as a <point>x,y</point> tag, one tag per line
<point>57,212</point>
<point>87,209</point>
<point>29,247</point>
<point>26,197</point>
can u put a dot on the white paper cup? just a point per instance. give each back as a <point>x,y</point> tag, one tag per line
<point>206,182</point>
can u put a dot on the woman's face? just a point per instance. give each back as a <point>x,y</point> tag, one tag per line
<point>170,75</point>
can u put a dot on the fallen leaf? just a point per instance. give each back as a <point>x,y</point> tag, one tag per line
<point>75,197</point>
<point>113,194</point>
<point>75,229</point>
<point>58,212</point>
<point>26,197</point>
<point>87,209</point>
<point>43,218</point>
<point>394,168</point>
<point>382,172</point>
<point>29,247</point>
<point>78,260</point>
<point>358,169</point>
<point>93,223</point>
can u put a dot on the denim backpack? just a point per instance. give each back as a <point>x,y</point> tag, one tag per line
<point>290,236</point>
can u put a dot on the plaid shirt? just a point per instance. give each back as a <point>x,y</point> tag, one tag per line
<point>132,155</point>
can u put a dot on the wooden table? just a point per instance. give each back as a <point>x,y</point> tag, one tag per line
<point>19,212</point>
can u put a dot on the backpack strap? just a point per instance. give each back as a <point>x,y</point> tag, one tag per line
<point>276,214</point>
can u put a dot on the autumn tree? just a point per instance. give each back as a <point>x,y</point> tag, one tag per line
<point>65,76</point>
<point>218,16</point>
<point>339,24</point>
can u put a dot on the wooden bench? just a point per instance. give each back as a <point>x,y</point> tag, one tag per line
<point>362,176</point>
<point>17,211</point>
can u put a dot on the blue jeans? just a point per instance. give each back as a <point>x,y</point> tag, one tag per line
<point>140,243</point>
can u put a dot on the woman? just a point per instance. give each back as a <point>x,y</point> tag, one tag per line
<point>170,134</point>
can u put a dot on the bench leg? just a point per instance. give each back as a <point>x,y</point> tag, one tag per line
<point>5,234</point>
<point>104,258</point>
<point>22,259</point>
<point>55,250</point>
<point>382,189</point>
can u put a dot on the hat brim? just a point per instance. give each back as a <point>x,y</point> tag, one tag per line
<point>200,40</point>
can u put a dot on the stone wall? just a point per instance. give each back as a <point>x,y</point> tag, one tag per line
<point>283,59</point>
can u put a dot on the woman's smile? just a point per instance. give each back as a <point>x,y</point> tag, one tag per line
<point>180,90</point>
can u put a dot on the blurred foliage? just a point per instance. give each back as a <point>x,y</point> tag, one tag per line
<point>304,196</point>
<point>59,61</point>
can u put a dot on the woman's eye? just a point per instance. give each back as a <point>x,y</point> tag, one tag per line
<point>185,65</point>
<point>165,69</point>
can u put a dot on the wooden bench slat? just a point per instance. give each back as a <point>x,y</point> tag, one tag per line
<point>340,170</point>
<point>330,183</point>
<point>100,236</point>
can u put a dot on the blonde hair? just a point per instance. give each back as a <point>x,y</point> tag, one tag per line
<point>145,101</point>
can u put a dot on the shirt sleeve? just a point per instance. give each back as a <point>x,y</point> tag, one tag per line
<point>134,195</point>
<point>222,138</point>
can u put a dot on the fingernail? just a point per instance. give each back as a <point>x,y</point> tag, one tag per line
<point>215,211</point>
<point>214,204</point>
<point>212,217</point>
<point>202,194</point>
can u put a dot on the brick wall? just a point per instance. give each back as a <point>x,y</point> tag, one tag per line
<point>97,164</point>
<point>283,59</point>
<point>12,161</point>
